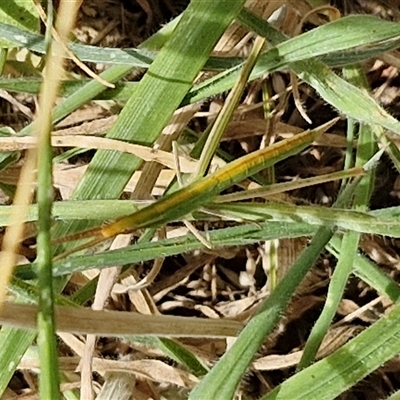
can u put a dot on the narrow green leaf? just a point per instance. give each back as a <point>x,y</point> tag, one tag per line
<point>15,342</point>
<point>394,396</point>
<point>351,32</point>
<point>221,382</point>
<point>345,97</point>
<point>358,221</point>
<point>19,14</point>
<point>238,235</point>
<point>369,272</point>
<point>164,86</point>
<point>139,58</point>
<point>121,93</point>
<point>328,378</point>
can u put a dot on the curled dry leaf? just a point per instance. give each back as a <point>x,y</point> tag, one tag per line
<point>335,339</point>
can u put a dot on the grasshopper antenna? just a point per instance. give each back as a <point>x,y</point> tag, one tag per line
<point>83,246</point>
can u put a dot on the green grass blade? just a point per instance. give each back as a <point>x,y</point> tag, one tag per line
<point>363,222</point>
<point>226,113</point>
<point>47,343</point>
<point>221,382</point>
<point>16,342</point>
<point>347,98</point>
<point>164,86</point>
<point>122,92</point>
<point>336,289</point>
<point>238,235</point>
<point>90,90</point>
<point>394,396</point>
<point>332,376</point>
<point>296,49</point>
<point>370,273</point>
<point>142,57</point>
<point>281,57</point>
<point>21,14</point>
<point>358,31</point>
<point>99,210</point>
<point>371,36</point>
<point>366,149</point>
<point>134,57</point>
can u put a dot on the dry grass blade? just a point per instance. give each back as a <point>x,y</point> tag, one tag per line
<point>89,142</point>
<point>113,323</point>
<point>70,53</point>
<point>334,340</point>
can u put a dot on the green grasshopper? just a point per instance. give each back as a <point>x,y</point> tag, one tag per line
<point>198,193</point>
